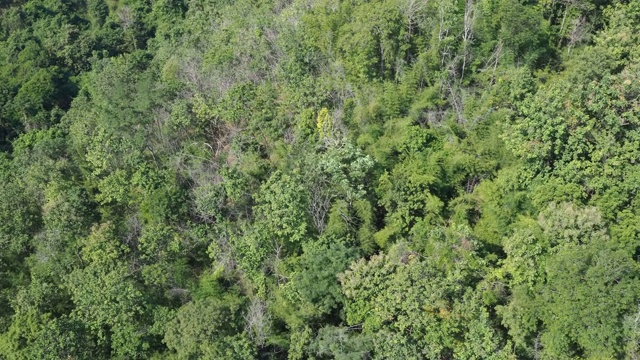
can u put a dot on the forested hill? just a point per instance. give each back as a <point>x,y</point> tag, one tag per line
<point>319,179</point>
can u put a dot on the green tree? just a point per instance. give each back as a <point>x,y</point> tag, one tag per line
<point>210,328</point>
<point>571,273</point>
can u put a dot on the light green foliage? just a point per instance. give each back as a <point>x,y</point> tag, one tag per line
<point>280,226</point>
<point>40,329</point>
<point>280,208</point>
<point>105,295</point>
<point>581,128</point>
<point>324,124</point>
<point>382,179</point>
<point>414,309</point>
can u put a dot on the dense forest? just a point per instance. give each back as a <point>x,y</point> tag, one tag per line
<point>319,179</point>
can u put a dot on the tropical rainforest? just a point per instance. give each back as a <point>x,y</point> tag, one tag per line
<point>319,179</point>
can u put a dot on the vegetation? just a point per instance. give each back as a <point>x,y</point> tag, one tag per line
<point>319,179</point>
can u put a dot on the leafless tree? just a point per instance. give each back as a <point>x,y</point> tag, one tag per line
<point>258,321</point>
<point>453,92</point>
<point>537,347</point>
<point>494,59</point>
<point>569,5</point>
<point>320,204</point>
<point>467,34</point>
<point>411,10</point>
<point>127,19</point>
<point>443,32</point>
<point>579,32</point>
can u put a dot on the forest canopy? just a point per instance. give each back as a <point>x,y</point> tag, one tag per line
<point>319,179</point>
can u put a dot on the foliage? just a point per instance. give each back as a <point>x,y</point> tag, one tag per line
<point>383,179</point>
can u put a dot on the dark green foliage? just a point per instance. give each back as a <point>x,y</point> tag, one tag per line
<point>384,179</point>
<point>210,328</point>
